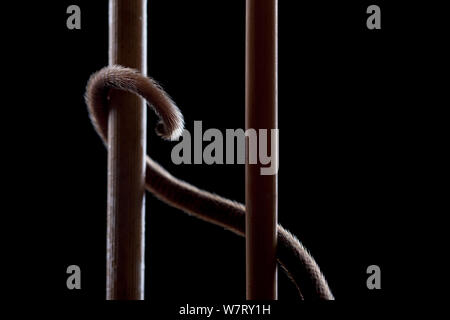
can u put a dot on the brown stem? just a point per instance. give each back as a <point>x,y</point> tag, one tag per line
<point>261,113</point>
<point>126,154</point>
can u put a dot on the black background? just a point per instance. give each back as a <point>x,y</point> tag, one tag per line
<point>349,98</point>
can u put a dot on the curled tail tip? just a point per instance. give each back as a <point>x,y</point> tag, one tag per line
<point>172,132</point>
<point>115,76</point>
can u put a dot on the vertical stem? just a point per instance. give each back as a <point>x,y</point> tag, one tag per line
<point>126,152</point>
<point>261,113</point>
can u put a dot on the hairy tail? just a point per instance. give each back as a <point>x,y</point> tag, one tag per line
<point>292,256</point>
